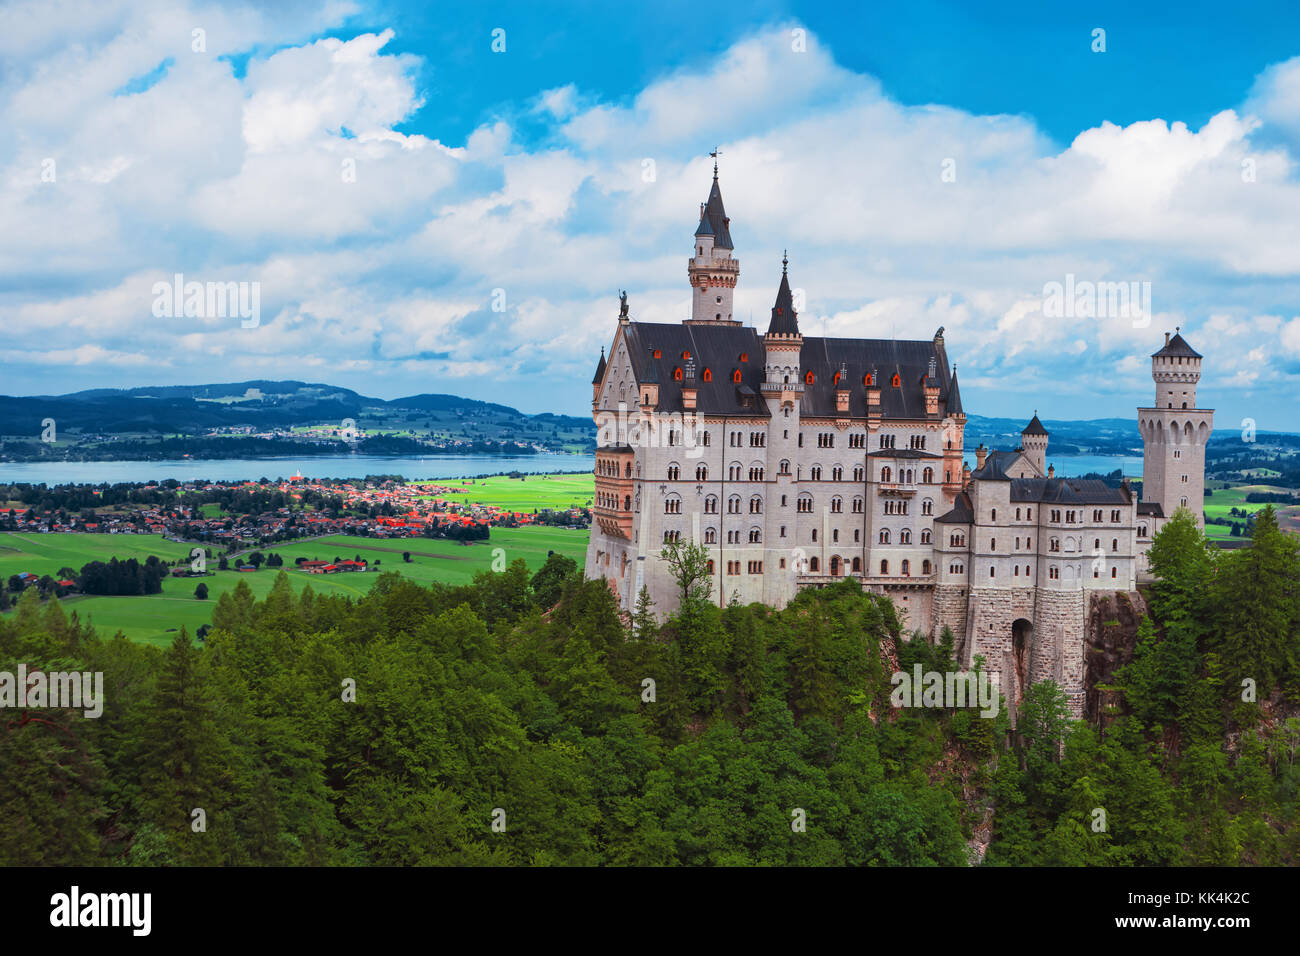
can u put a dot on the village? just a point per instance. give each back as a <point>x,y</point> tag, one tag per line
<point>230,519</point>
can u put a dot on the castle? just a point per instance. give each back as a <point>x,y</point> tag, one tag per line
<point>797,460</point>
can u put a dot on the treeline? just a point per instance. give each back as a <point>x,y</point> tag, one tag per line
<point>1271,497</point>
<point>523,720</point>
<point>456,530</point>
<point>122,577</point>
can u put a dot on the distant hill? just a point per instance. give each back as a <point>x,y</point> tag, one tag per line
<point>99,422</point>
<point>189,412</point>
<point>185,408</point>
<point>1096,436</point>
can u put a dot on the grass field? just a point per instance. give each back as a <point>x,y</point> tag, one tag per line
<point>155,618</point>
<point>1220,504</point>
<point>45,553</point>
<point>527,493</point>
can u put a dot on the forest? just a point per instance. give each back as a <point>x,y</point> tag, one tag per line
<point>521,720</point>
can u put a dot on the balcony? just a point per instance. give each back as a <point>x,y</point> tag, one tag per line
<point>714,264</point>
<point>896,489</point>
<point>821,579</point>
<point>613,521</point>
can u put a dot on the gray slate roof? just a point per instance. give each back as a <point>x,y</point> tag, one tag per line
<point>1177,348</point>
<point>718,348</point>
<point>1069,491</point>
<point>714,221</point>
<point>962,512</point>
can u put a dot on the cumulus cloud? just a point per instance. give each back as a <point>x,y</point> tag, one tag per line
<point>394,262</point>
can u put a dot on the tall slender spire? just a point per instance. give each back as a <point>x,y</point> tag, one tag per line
<point>712,269</point>
<point>784,320</point>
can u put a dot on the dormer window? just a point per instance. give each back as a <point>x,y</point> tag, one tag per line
<point>735,375</point>
<point>869,380</point>
<point>836,380</point>
<point>744,356</point>
<point>808,379</point>
<point>677,374</point>
<point>895,382</point>
<point>707,376</point>
<point>658,354</point>
<point>686,356</point>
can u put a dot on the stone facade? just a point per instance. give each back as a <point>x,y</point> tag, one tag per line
<point>796,461</point>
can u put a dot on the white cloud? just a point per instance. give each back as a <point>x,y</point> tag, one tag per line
<point>381,274</point>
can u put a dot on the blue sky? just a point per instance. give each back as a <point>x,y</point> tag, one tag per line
<point>498,200</point>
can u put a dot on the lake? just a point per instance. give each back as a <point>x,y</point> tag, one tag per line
<point>413,469</point>
<point>245,469</point>
<point>1073,465</point>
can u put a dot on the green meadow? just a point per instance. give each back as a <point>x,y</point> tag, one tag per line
<point>1224,499</point>
<point>526,493</point>
<point>155,618</point>
<point>44,554</point>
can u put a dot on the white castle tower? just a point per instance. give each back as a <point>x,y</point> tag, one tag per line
<point>1174,432</point>
<point>712,270</point>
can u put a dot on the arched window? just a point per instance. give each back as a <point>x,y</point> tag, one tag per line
<point>701,472</point>
<point>674,472</point>
<point>812,565</point>
<point>907,567</point>
<point>884,567</point>
<point>711,505</point>
<point>927,476</point>
<point>925,566</point>
<point>886,474</point>
<point>884,536</point>
<point>857,565</point>
<point>1114,544</point>
<point>677,374</point>
<point>710,536</point>
<point>707,375</point>
<point>925,535</point>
